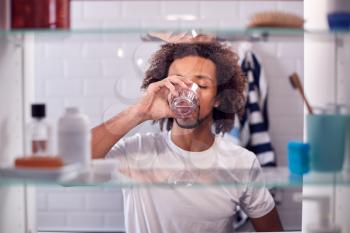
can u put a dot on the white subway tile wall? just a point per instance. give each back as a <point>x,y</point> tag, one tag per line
<point>102,73</point>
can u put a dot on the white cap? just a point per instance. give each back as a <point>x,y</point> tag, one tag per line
<point>72,110</point>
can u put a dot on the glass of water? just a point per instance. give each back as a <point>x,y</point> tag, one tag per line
<point>186,102</point>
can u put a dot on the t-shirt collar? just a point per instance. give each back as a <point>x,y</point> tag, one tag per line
<point>183,152</point>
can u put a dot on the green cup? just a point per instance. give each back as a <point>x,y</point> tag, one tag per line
<point>327,136</point>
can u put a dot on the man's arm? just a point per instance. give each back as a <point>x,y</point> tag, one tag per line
<point>105,135</point>
<point>268,223</point>
<point>153,105</point>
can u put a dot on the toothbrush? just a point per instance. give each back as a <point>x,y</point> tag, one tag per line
<point>296,84</point>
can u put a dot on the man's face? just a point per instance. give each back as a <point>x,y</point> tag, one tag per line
<point>202,72</point>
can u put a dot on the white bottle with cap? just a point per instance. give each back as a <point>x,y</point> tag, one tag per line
<point>74,137</point>
<point>323,224</point>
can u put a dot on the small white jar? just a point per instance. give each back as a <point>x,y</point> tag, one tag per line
<point>74,137</point>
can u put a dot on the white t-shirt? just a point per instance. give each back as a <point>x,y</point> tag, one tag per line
<point>174,209</point>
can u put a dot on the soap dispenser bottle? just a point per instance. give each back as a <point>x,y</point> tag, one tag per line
<point>323,224</point>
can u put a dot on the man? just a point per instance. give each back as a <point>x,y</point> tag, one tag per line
<point>190,143</point>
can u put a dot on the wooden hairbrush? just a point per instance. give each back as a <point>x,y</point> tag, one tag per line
<point>296,84</point>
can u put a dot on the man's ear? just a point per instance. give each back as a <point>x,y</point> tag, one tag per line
<point>217,103</point>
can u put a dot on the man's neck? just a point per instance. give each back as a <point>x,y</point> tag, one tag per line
<point>198,139</point>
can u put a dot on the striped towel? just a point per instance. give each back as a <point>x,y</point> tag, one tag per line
<point>254,123</point>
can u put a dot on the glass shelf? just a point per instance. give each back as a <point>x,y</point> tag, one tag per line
<point>225,34</point>
<point>272,31</point>
<point>203,0</point>
<point>106,173</point>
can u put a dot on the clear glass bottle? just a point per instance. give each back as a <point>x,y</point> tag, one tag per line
<point>39,132</point>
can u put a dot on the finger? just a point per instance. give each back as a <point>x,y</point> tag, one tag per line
<point>154,87</point>
<point>169,97</point>
<point>171,88</point>
<point>174,79</point>
<point>179,80</point>
<point>181,77</point>
<point>159,89</point>
<point>177,38</point>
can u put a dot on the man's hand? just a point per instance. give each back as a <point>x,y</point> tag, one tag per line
<point>183,37</point>
<point>153,105</point>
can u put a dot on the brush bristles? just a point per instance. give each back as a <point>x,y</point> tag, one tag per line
<point>276,19</point>
<point>294,81</point>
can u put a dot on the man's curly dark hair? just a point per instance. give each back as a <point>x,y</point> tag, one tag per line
<point>231,84</point>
